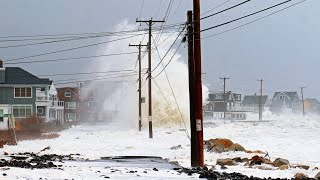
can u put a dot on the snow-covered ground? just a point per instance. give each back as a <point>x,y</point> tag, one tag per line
<point>291,138</point>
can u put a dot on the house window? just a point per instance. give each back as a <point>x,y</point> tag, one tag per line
<point>22,111</point>
<point>71,105</point>
<point>91,95</point>
<point>67,94</point>
<point>24,92</point>
<point>70,116</point>
<point>237,96</point>
<point>1,115</point>
<point>281,97</point>
<point>93,104</point>
<point>230,97</point>
<point>218,96</point>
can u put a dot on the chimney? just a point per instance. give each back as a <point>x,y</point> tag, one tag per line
<point>2,72</point>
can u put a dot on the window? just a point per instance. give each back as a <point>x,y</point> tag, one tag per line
<point>1,115</point>
<point>230,97</point>
<point>91,95</point>
<point>67,94</point>
<point>24,92</point>
<point>93,104</point>
<point>70,116</point>
<point>22,111</point>
<point>281,97</point>
<point>218,96</point>
<point>237,96</point>
<point>71,105</point>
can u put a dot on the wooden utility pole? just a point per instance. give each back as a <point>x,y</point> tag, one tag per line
<point>139,59</point>
<point>302,99</point>
<point>192,94</point>
<point>198,81</point>
<point>149,23</point>
<point>224,96</point>
<point>260,100</point>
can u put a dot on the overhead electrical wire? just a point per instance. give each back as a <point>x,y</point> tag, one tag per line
<point>258,19</point>
<point>215,7</point>
<point>68,59</point>
<point>72,35</point>
<point>227,9</point>
<point>94,79</point>
<point>173,94</point>
<point>70,49</point>
<point>169,61</point>
<point>237,19</point>
<point>169,49</point>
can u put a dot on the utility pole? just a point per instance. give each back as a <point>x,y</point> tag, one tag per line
<point>192,94</point>
<point>149,23</point>
<point>260,100</point>
<point>302,99</point>
<point>139,59</point>
<point>198,81</point>
<point>224,96</point>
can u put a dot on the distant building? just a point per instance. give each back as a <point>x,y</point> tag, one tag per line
<point>312,106</point>
<point>71,98</point>
<point>93,96</point>
<point>251,103</point>
<point>215,106</point>
<point>285,102</point>
<point>24,95</point>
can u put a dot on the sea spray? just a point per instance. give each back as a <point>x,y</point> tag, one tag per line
<point>165,110</point>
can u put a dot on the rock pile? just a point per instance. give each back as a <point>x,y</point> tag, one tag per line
<point>207,173</point>
<point>34,161</point>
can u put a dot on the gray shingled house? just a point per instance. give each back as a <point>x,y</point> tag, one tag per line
<point>216,106</point>
<point>251,103</point>
<point>285,102</point>
<point>23,95</point>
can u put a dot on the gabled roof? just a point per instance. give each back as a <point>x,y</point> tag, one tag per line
<point>62,90</point>
<point>16,75</point>
<point>291,95</point>
<point>254,99</point>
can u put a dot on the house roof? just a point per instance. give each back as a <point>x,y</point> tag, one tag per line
<point>62,90</point>
<point>254,99</point>
<point>16,75</point>
<point>292,95</point>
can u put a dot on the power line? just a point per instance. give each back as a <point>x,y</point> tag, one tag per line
<point>169,61</point>
<point>102,76</point>
<point>263,17</point>
<point>182,119</point>
<point>68,59</point>
<point>225,9</point>
<point>70,49</point>
<point>84,73</point>
<point>141,9</point>
<point>169,49</point>
<point>95,79</point>
<point>49,42</point>
<point>71,35</point>
<point>215,7</point>
<point>237,19</point>
<point>186,131</point>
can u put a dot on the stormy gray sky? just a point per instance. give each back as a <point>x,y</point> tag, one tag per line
<point>282,49</point>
